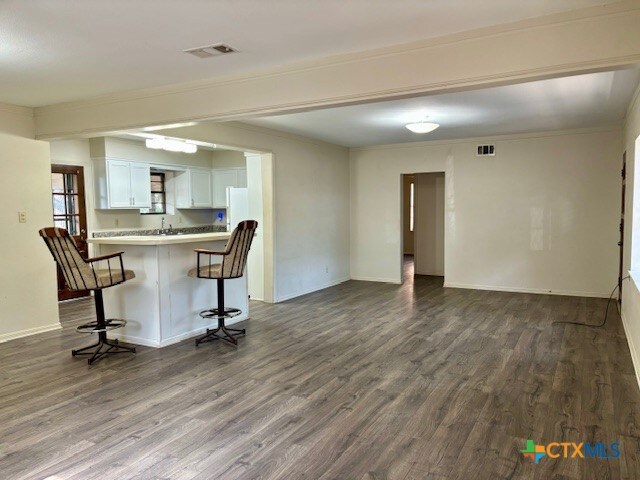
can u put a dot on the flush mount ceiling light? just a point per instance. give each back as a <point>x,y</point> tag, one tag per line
<point>170,145</point>
<point>422,127</point>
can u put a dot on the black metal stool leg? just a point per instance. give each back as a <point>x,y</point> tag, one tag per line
<point>81,351</point>
<point>222,332</point>
<point>104,345</point>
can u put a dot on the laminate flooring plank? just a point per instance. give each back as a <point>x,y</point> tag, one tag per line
<point>360,381</point>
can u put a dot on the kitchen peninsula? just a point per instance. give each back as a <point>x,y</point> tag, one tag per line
<point>161,304</point>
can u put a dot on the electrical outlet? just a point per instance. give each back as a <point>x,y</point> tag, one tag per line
<point>22,217</point>
<point>117,222</point>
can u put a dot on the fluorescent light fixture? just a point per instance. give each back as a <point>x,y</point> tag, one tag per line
<point>155,143</point>
<point>190,148</point>
<point>171,125</point>
<point>422,127</point>
<point>170,145</point>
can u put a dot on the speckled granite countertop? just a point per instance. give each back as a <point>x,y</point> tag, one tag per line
<point>154,231</point>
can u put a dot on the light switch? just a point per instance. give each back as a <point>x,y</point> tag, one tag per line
<point>22,217</point>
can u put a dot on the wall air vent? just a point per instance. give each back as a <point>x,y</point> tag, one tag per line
<point>210,50</point>
<point>486,151</point>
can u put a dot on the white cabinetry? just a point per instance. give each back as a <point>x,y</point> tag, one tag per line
<point>223,178</point>
<point>140,185</point>
<point>194,189</point>
<point>121,184</point>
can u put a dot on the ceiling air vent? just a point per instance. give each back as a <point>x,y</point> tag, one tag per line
<point>210,50</point>
<point>486,151</point>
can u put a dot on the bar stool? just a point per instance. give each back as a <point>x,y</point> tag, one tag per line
<point>81,274</point>
<point>234,260</point>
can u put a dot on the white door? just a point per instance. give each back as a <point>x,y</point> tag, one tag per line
<point>140,186</point>
<point>201,194</point>
<point>221,180</point>
<point>119,184</point>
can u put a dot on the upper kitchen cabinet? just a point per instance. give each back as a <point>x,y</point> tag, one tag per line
<point>121,184</point>
<point>223,178</point>
<point>194,189</point>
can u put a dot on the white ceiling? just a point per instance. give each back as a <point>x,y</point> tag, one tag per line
<point>581,101</point>
<point>53,51</point>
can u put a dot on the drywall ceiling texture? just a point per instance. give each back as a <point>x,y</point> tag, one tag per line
<point>68,50</point>
<point>541,216</point>
<point>604,37</point>
<point>580,101</point>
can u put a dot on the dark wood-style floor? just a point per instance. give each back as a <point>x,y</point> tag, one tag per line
<point>359,381</point>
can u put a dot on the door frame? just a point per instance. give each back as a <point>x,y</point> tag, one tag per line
<point>401,224</point>
<point>623,174</point>
<point>66,294</point>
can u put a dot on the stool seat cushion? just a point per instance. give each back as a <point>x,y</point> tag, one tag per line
<point>106,280</point>
<point>207,271</point>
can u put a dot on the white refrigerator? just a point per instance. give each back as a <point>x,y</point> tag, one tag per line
<point>237,206</point>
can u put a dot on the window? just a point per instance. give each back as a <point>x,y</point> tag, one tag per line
<point>66,202</point>
<point>411,208</point>
<point>158,195</point>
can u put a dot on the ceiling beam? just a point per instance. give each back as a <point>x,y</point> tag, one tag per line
<point>579,41</point>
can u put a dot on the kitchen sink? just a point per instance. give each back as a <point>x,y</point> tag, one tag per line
<point>165,234</point>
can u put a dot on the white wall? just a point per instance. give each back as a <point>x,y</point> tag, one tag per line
<point>311,190</point>
<point>630,288</point>
<point>255,261</point>
<point>228,159</point>
<point>541,216</point>
<point>429,224</point>
<point>76,152</point>
<point>28,288</point>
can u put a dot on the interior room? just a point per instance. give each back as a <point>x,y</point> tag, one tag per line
<point>423,240</point>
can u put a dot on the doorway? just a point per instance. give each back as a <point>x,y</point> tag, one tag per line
<point>621,242</point>
<point>423,203</point>
<point>69,212</point>
<point>408,237</point>
<point>255,261</point>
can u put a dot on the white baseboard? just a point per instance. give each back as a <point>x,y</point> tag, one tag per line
<point>377,279</point>
<point>632,347</point>
<point>541,291</point>
<point>311,290</point>
<point>29,331</point>
<point>171,340</point>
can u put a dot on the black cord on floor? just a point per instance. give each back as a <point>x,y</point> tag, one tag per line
<point>606,312</point>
